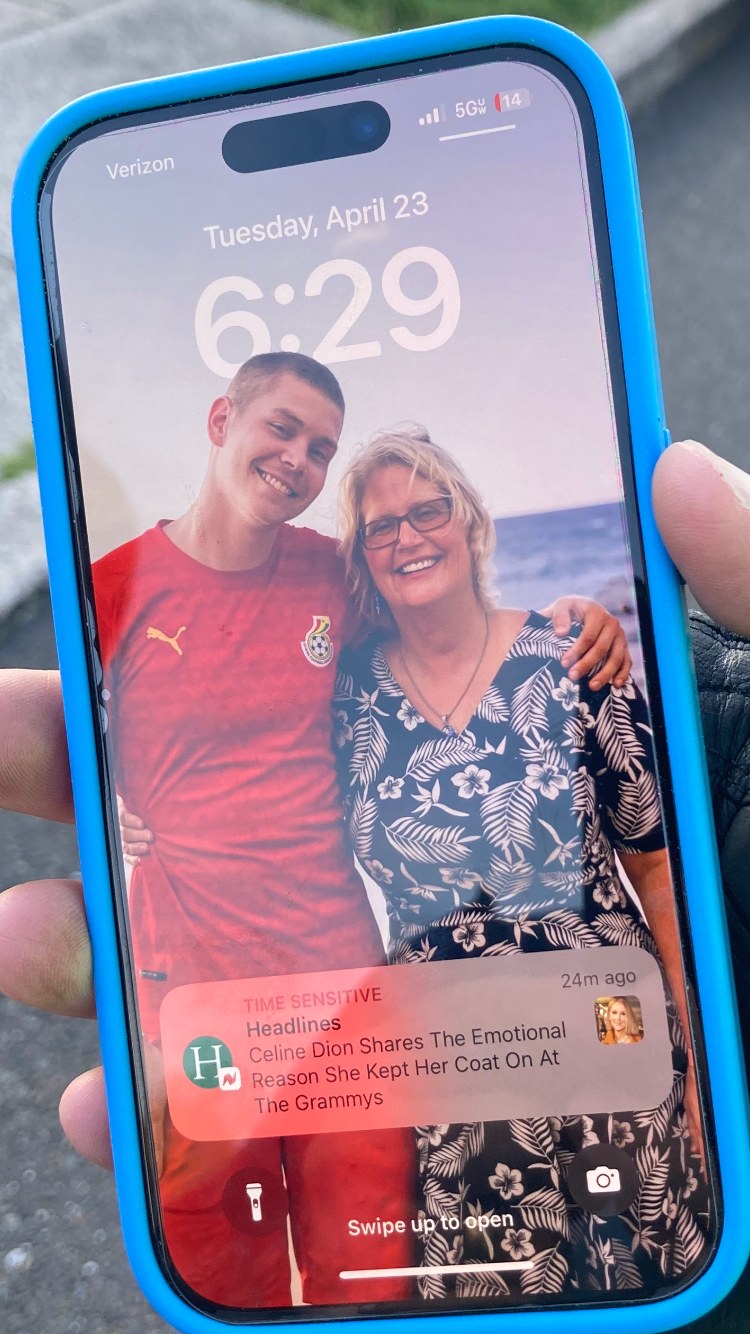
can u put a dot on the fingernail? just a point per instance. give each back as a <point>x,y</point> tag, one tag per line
<point>735,478</point>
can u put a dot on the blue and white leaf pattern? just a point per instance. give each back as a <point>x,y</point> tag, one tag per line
<point>429,843</point>
<point>637,801</point>
<point>382,674</point>
<point>362,822</point>
<point>506,815</point>
<point>530,700</point>
<point>492,707</point>
<point>441,753</point>
<point>621,746</point>
<point>369,740</point>
<point>525,863</point>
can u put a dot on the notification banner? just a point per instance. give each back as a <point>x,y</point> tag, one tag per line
<point>368,1048</point>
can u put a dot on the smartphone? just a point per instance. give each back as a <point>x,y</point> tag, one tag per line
<point>346,404</point>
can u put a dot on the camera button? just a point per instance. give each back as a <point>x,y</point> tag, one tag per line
<point>603,1180</point>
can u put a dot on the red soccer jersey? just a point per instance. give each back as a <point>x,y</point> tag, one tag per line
<point>220,720</point>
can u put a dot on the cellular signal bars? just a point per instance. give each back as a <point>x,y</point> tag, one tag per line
<point>433,117</point>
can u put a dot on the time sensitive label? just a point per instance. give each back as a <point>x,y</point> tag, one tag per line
<point>368,1048</point>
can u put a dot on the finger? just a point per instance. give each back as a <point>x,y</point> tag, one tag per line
<point>129,821</point>
<point>580,612</point>
<point>599,651</point>
<point>34,773</point>
<point>607,669</point>
<point>618,666</point>
<point>561,620</point>
<point>626,667</point>
<point>611,668</point>
<point>45,952</point>
<point>135,849</point>
<point>702,507</point>
<point>130,858</point>
<point>83,1117</point>
<point>589,636</point>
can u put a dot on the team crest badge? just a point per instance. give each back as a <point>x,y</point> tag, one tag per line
<point>317,645</point>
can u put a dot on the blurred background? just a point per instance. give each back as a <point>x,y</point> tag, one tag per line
<point>683,67</point>
<point>372,16</point>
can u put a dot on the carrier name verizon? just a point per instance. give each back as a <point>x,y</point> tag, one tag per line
<point>141,167</point>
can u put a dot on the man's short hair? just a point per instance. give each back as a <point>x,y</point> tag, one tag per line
<point>257,375</point>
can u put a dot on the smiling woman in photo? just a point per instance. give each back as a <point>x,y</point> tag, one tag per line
<point>622,1025</point>
<point>487,794</point>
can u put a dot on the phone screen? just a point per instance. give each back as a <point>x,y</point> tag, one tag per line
<point>392,843</point>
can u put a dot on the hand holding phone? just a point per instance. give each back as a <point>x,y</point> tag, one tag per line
<point>341,758</point>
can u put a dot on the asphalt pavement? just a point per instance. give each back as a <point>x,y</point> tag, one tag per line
<point>65,1270</point>
<point>693,152</point>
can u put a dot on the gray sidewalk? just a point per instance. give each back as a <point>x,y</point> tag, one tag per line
<point>22,16</point>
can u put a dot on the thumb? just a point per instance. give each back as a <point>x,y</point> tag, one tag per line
<point>702,507</point>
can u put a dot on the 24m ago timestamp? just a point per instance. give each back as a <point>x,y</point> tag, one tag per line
<point>622,979</point>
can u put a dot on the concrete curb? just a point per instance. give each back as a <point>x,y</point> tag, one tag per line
<point>648,49</point>
<point>653,46</point>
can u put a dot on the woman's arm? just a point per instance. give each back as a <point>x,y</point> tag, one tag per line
<point>651,879</point>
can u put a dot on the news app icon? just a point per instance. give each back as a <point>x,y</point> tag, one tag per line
<point>208,1063</point>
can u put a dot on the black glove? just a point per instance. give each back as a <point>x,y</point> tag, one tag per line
<point>722,664</point>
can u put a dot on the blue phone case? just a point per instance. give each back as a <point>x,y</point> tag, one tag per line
<point>649,435</point>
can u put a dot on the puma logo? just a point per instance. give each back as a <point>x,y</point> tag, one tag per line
<point>153,633</point>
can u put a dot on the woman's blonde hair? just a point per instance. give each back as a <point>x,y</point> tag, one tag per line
<point>411,447</point>
<point>633,1028</point>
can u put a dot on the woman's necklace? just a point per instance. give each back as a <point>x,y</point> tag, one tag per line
<point>446,717</point>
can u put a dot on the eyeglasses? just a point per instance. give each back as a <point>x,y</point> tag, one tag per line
<point>426,517</point>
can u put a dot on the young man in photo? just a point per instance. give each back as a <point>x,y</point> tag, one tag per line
<point>219,633</point>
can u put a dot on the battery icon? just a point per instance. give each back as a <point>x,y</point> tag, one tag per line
<point>515,100</point>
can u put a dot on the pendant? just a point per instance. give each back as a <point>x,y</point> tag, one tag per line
<point>447,729</point>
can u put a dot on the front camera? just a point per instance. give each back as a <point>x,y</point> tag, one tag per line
<point>364,126</point>
<point>306,136</point>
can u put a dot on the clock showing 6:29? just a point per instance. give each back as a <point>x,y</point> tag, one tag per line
<point>332,347</point>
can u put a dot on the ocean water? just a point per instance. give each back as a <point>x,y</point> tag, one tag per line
<point>540,557</point>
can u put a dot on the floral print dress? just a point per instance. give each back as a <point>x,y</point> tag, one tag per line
<point>501,840</point>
